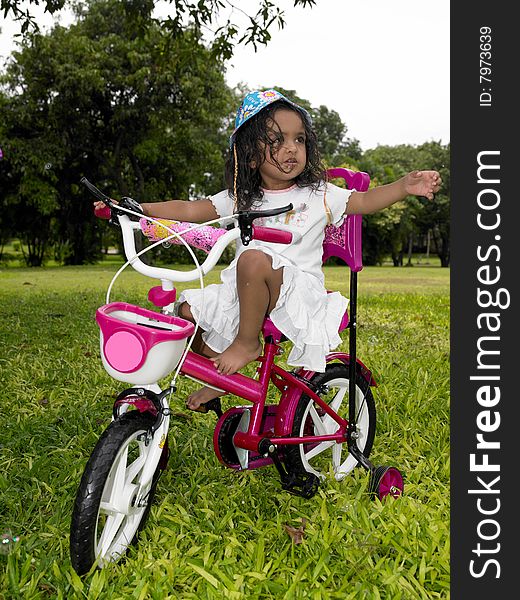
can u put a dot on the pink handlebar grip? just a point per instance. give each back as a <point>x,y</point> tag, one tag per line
<point>269,234</point>
<point>103,213</point>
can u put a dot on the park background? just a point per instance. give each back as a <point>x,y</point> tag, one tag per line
<point>144,108</point>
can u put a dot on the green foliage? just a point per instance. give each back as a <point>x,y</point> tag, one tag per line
<point>144,115</point>
<point>22,13</point>
<point>199,15</point>
<point>215,533</point>
<point>389,231</point>
<point>142,109</point>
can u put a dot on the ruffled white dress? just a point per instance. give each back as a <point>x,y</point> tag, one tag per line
<point>305,313</point>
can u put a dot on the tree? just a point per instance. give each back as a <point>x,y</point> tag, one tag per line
<point>143,115</point>
<point>397,226</point>
<point>197,15</point>
<point>28,194</point>
<point>23,14</point>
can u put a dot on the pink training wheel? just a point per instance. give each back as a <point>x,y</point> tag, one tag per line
<point>386,481</point>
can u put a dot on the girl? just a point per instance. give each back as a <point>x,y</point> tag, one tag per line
<point>274,161</point>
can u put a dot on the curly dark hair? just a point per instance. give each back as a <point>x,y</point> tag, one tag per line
<point>251,141</point>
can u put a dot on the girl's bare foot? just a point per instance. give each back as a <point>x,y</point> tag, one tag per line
<point>238,355</point>
<point>200,397</point>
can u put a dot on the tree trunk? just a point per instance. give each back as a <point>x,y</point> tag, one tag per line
<point>35,250</point>
<point>442,246</point>
<point>410,248</point>
<point>397,258</point>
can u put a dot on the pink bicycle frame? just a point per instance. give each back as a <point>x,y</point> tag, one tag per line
<point>292,386</point>
<point>255,391</point>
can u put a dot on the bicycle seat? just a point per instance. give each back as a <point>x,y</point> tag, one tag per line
<point>270,330</point>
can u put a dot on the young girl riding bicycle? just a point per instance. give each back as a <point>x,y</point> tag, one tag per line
<point>274,161</point>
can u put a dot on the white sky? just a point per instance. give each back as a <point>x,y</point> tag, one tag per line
<point>383,66</point>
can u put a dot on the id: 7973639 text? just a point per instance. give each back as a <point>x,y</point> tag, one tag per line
<point>485,66</point>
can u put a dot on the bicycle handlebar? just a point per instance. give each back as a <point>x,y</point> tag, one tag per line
<point>96,192</point>
<point>127,229</point>
<point>246,218</point>
<point>246,230</point>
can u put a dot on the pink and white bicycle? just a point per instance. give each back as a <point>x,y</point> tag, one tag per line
<point>323,424</point>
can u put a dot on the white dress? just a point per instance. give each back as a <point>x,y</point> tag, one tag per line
<point>305,313</point>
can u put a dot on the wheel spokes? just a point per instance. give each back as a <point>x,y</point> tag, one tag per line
<point>110,530</point>
<point>120,488</point>
<point>339,459</point>
<point>336,457</point>
<point>137,465</point>
<point>319,427</point>
<point>329,423</point>
<point>338,399</point>
<point>326,425</point>
<point>115,485</point>
<point>121,517</point>
<point>318,449</point>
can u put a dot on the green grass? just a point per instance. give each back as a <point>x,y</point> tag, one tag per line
<point>213,532</point>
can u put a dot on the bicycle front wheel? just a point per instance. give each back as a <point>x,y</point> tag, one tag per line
<point>310,419</point>
<point>106,518</point>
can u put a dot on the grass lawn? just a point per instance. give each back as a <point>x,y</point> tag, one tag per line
<point>213,532</point>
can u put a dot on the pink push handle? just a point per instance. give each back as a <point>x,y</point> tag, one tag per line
<point>269,234</point>
<point>345,241</point>
<point>355,180</point>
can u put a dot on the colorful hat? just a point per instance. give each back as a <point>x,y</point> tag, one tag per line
<point>254,102</point>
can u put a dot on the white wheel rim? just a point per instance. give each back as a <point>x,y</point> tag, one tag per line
<point>337,456</point>
<point>120,519</point>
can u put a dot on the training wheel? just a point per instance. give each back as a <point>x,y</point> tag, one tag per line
<point>386,481</point>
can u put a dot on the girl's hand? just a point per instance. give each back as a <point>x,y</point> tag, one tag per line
<point>98,204</point>
<point>101,210</point>
<point>422,183</point>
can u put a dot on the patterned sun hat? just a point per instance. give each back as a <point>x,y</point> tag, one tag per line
<point>254,102</point>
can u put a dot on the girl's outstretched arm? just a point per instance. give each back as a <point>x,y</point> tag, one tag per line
<point>416,183</point>
<point>195,211</point>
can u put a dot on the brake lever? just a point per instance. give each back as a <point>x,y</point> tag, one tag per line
<point>246,218</point>
<point>129,204</point>
<point>126,202</point>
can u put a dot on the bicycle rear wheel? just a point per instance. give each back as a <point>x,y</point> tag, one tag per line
<point>106,519</point>
<point>309,419</point>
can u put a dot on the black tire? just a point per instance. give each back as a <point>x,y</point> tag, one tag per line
<point>118,447</point>
<point>328,457</point>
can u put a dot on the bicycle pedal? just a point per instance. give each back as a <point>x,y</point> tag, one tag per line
<point>302,484</point>
<point>215,405</point>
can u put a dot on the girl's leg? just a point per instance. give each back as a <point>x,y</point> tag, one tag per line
<point>205,394</point>
<point>258,286</point>
<point>198,345</point>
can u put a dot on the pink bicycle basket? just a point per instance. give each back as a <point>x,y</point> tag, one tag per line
<point>140,346</point>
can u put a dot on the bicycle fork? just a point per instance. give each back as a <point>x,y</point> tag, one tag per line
<point>150,399</point>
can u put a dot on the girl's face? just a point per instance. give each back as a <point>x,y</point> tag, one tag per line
<point>287,158</point>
